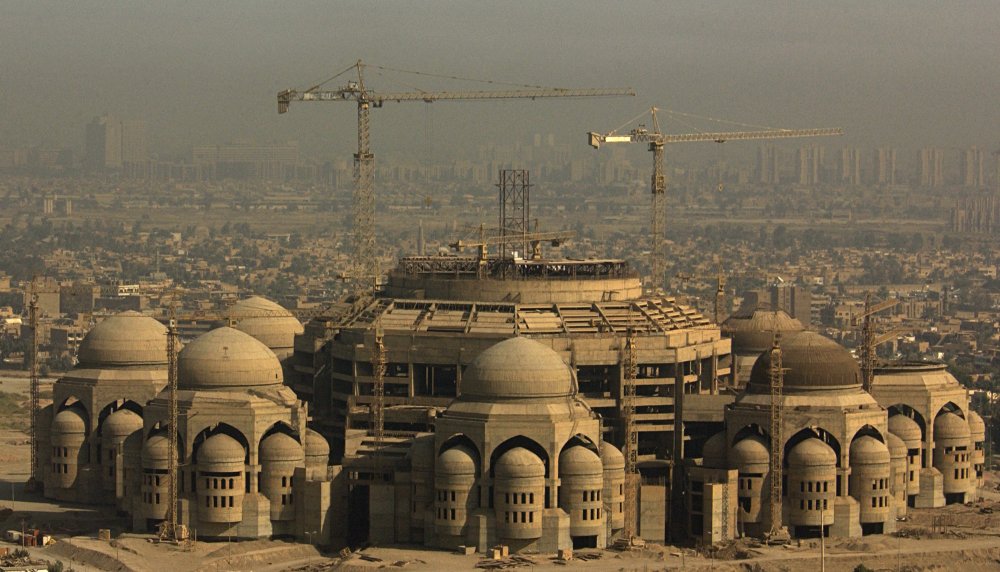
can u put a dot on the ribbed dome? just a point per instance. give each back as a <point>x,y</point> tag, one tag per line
<point>266,321</point>
<point>69,422</point>
<point>811,453</point>
<point>517,368</point>
<point>714,452</point>
<point>950,426</point>
<point>281,447</point>
<point>121,423</point>
<point>905,428</point>
<point>456,461</point>
<point>867,450</point>
<point>316,446</point>
<point>519,463</point>
<point>977,427</point>
<point>811,362</point>
<point>579,460</point>
<point>156,449</point>
<point>750,451</point>
<point>752,330</point>
<point>897,448</point>
<point>611,457</point>
<point>122,340</point>
<point>225,358</point>
<point>221,448</point>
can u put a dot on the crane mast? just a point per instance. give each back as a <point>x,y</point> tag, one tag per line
<point>33,320</point>
<point>777,385</point>
<point>869,339</point>
<point>631,437</point>
<point>658,185</point>
<point>365,271</point>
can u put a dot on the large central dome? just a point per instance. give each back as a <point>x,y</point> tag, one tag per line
<point>128,339</point>
<point>225,358</point>
<point>810,361</point>
<point>517,368</point>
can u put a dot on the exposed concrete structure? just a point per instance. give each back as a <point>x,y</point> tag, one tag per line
<point>852,461</point>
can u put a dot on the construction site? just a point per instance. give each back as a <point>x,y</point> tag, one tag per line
<point>500,406</point>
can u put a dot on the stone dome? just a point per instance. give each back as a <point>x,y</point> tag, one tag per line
<point>458,460</point>
<point>221,449</point>
<point>69,422</point>
<point>906,429</point>
<point>714,451</point>
<point>753,329</point>
<point>867,450</point>
<point>225,358</point>
<point>156,449</point>
<point>897,448</point>
<point>519,463</point>
<point>812,453</point>
<point>811,362</point>
<point>266,321</point>
<point>281,447</point>
<point>121,423</point>
<point>579,460</point>
<point>124,340</point>
<point>317,446</point>
<point>611,457</point>
<point>517,368</point>
<point>950,426</point>
<point>750,451</point>
<point>977,427</point>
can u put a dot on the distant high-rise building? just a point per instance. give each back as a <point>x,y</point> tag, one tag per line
<point>974,168</point>
<point>931,162</point>
<point>246,160</point>
<point>794,299</point>
<point>884,166</point>
<point>111,143</point>
<point>849,166</point>
<point>767,165</point>
<point>810,164</point>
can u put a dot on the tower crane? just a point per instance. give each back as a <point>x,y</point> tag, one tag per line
<point>658,185</point>
<point>869,339</point>
<point>34,482</point>
<point>365,272</point>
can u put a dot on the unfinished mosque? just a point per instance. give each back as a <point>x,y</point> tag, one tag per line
<point>504,418</point>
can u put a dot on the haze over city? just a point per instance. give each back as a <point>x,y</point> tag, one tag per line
<point>906,74</point>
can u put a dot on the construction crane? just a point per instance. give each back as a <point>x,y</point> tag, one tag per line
<point>658,186</point>
<point>869,339</point>
<point>365,273</point>
<point>34,482</point>
<point>630,532</point>
<point>777,382</point>
<point>535,239</point>
<point>378,400</point>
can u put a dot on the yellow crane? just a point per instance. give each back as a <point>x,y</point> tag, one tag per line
<point>869,339</point>
<point>365,272</point>
<point>658,186</point>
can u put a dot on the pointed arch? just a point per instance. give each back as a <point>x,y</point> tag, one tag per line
<point>870,431</point>
<point>908,411</point>
<point>808,433</point>
<point>224,429</point>
<point>520,441</point>
<point>580,440</point>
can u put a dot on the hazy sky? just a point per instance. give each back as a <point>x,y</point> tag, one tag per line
<point>906,73</point>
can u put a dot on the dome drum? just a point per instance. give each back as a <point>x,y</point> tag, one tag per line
<point>952,456</point>
<point>614,483</point>
<point>870,479</point>
<point>812,477</point>
<point>455,481</point>
<point>66,436</point>
<point>751,459</point>
<point>280,454</point>
<point>581,490</point>
<point>115,430</point>
<point>519,494</point>
<point>154,486</point>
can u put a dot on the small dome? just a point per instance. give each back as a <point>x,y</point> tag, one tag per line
<point>867,450</point>
<point>579,460</point>
<point>221,449</point>
<point>749,452</point>
<point>317,446</point>
<point>812,453</point>
<point>517,368</point>
<point>905,428</point>
<point>611,457</point>
<point>977,427</point>
<point>811,361</point>
<point>225,358</point>
<point>897,448</point>
<point>519,463</point>
<point>266,321</point>
<point>69,422</point>
<point>122,340</point>
<point>950,426</point>
<point>752,330</point>
<point>156,449</point>
<point>121,423</point>
<point>714,452</point>
<point>280,447</point>
<point>456,461</point>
